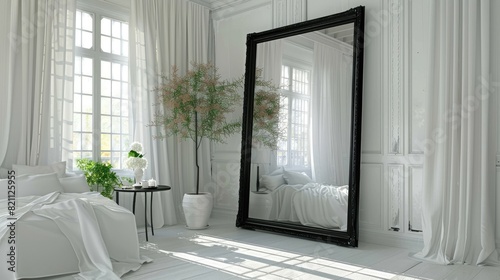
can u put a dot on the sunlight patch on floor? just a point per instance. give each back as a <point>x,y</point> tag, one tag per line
<point>248,261</point>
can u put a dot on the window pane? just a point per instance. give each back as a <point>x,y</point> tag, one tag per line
<point>124,108</point>
<point>77,122</point>
<point>106,44</point>
<point>86,104</point>
<point>87,155</point>
<point>78,65</point>
<point>116,29</point>
<point>125,73</point>
<point>116,107</point>
<point>125,31</point>
<point>125,143</point>
<point>105,124</point>
<point>106,26</point>
<point>86,40</point>
<point>87,66</point>
<point>87,22</point>
<point>77,84</point>
<point>77,142</point>
<point>77,103</point>
<point>124,91</point>
<point>87,123</point>
<point>125,48</point>
<point>105,142</point>
<point>87,141</point>
<point>105,87</point>
<point>124,125</point>
<point>115,124</point>
<point>116,46</point>
<point>87,85</point>
<point>78,38</point>
<point>116,90</point>
<point>116,71</point>
<point>116,143</point>
<point>106,69</point>
<point>79,19</point>
<point>105,106</point>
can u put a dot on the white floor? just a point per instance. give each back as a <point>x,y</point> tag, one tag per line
<point>226,252</point>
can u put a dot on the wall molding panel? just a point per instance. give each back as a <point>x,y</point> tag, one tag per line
<point>394,179</point>
<point>287,12</point>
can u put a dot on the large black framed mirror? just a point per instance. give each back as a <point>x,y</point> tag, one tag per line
<point>301,138</point>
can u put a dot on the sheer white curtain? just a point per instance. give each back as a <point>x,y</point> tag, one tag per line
<point>459,171</point>
<point>331,115</point>
<point>269,60</point>
<point>164,33</point>
<point>37,76</point>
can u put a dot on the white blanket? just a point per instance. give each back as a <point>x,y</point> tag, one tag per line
<point>103,234</point>
<point>312,204</point>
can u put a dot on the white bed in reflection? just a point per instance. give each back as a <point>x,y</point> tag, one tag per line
<point>294,197</point>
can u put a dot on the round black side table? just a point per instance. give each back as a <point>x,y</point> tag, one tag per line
<point>158,188</point>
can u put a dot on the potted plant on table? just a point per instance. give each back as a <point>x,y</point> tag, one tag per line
<point>196,106</point>
<point>99,176</point>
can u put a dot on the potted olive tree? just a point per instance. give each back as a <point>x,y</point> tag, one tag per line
<point>196,106</point>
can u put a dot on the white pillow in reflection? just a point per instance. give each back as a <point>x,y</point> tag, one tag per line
<point>271,182</point>
<point>296,178</point>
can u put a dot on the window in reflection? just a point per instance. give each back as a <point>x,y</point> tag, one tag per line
<point>294,150</point>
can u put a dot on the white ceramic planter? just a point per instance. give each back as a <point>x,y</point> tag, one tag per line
<point>197,209</point>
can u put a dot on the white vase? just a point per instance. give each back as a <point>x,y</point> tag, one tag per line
<point>138,174</point>
<point>197,209</point>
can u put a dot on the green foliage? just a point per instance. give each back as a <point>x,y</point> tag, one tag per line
<point>133,153</point>
<point>99,176</point>
<point>267,113</point>
<point>195,105</point>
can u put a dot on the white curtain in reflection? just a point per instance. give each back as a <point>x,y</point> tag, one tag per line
<point>164,33</point>
<point>269,60</point>
<point>37,81</point>
<point>459,169</point>
<point>331,115</point>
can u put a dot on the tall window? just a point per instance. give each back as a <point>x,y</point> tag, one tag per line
<point>101,117</point>
<point>294,151</point>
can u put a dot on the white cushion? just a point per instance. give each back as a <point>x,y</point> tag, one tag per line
<point>271,182</point>
<point>58,167</point>
<point>278,171</point>
<point>3,173</point>
<point>296,178</point>
<point>74,184</point>
<point>41,184</point>
<point>3,188</point>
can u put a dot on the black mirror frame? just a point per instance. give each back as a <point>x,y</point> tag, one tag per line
<point>344,238</point>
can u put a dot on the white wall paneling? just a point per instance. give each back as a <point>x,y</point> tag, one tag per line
<point>371,194</point>
<point>395,137</point>
<point>287,12</point>
<point>415,198</point>
<point>394,178</point>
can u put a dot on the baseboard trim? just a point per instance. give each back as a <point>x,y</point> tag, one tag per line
<point>392,239</point>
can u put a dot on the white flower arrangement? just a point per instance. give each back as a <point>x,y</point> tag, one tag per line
<point>135,162</point>
<point>135,157</point>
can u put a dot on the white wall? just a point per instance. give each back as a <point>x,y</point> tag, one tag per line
<point>395,84</point>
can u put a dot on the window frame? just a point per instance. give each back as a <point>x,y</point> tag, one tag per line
<point>292,96</point>
<point>99,10</point>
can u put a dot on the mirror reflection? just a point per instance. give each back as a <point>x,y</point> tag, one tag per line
<point>301,154</point>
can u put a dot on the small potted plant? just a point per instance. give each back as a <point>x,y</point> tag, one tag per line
<point>99,176</point>
<point>195,106</point>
